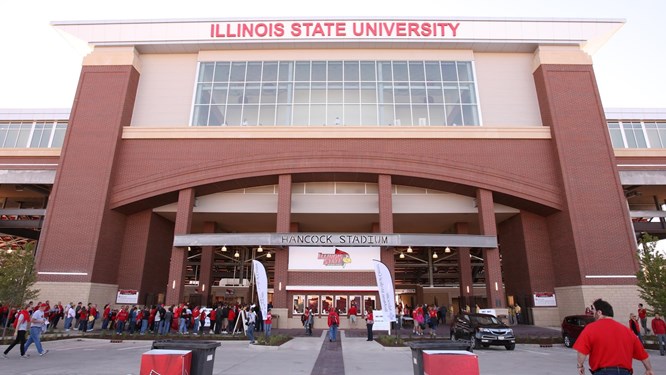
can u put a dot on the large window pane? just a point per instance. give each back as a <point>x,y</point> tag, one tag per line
<point>418,91</point>
<point>352,114</point>
<point>335,70</point>
<point>400,71</point>
<point>318,92</point>
<point>252,91</point>
<point>467,93</point>
<point>267,114</point>
<point>234,115</point>
<point>59,135</point>
<point>402,93</point>
<point>200,117</point>
<point>270,71</point>
<point>403,115</point>
<point>301,115</point>
<point>451,94</point>
<point>286,71</point>
<point>268,93</point>
<point>369,115</point>
<point>416,71</point>
<point>616,137</point>
<point>453,115</point>
<point>436,112</point>
<point>352,93</point>
<point>465,71</point>
<point>285,91</point>
<point>302,92</point>
<point>206,71</point>
<point>385,72</point>
<point>222,71</point>
<point>368,92</point>
<point>216,117</point>
<point>302,71</point>
<point>319,70</point>
<point>432,71</point>
<point>220,91</point>
<point>203,93</point>
<point>238,71</point>
<point>253,71</point>
<point>385,91</point>
<point>420,115</point>
<point>283,117</point>
<point>351,71</point>
<point>368,71</point>
<point>470,115</point>
<point>449,71</point>
<point>435,93</point>
<point>386,114</point>
<point>334,115</point>
<point>334,92</point>
<point>318,115</point>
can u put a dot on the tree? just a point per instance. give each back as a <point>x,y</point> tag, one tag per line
<point>17,276</point>
<point>652,274</point>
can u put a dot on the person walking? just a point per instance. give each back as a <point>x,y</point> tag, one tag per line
<point>369,321</point>
<point>37,325</point>
<point>635,327</point>
<point>250,320</point>
<point>19,333</point>
<point>642,315</point>
<point>333,323</point>
<point>610,345</point>
<point>659,329</point>
<point>353,313</point>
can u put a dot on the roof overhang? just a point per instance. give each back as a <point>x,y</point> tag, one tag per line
<point>478,34</point>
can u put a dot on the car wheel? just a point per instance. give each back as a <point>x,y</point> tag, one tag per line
<point>486,345</point>
<point>567,341</point>
<point>510,346</point>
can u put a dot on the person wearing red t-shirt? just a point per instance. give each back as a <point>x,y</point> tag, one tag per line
<point>105,316</point>
<point>659,329</point>
<point>610,345</point>
<point>333,323</point>
<point>268,323</point>
<point>121,318</point>
<point>353,313</point>
<point>642,315</point>
<point>231,318</point>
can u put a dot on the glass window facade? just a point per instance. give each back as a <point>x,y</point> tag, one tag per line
<point>32,134</point>
<point>336,93</point>
<point>637,134</point>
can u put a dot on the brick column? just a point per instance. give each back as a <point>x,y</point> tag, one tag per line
<point>386,219</point>
<point>283,225</point>
<point>176,287</point>
<point>206,268</point>
<point>491,258</point>
<point>464,268</point>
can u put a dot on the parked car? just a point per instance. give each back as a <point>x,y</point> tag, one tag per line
<point>482,330</point>
<point>572,326</point>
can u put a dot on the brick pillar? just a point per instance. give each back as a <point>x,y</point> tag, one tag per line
<point>283,225</point>
<point>464,268</point>
<point>491,258</point>
<point>386,219</point>
<point>176,286</point>
<point>206,268</point>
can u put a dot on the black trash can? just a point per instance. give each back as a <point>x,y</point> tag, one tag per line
<point>203,353</point>
<point>419,346</point>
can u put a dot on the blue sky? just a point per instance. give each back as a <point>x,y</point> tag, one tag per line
<point>40,69</point>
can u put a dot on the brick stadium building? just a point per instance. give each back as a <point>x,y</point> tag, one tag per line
<point>472,156</point>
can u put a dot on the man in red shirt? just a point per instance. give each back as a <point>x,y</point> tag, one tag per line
<point>659,329</point>
<point>353,312</point>
<point>610,345</point>
<point>121,318</point>
<point>642,315</point>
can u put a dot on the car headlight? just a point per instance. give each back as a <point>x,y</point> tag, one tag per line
<point>509,331</point>
<point>484,330</point>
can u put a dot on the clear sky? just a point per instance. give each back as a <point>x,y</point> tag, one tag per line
<point>40,69</point>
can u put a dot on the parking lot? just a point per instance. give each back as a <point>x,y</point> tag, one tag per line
<point>298,356</point>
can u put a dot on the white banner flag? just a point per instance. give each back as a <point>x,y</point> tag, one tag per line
<point>386,291</point>
<point>261,280</point>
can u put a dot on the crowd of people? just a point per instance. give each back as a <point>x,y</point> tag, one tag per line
<point>34,320</point>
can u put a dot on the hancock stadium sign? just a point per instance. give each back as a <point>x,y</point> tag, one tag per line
<point>335,29</point>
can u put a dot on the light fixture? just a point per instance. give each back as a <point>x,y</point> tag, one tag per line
<point>268,255</point>
<point>173,285</point>
<point>203,287</point>
<point>402,255</point>
<point>447,250</point>
<point>409,249</point>
<point>189,248</point>
<point>224,248</point>
<point>260,249</point>
<point>434,255</point>
<point>236,255</point>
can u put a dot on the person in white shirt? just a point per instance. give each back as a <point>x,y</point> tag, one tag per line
<point>37,325</point>
<point>70,312</point>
